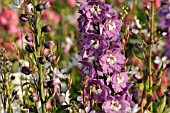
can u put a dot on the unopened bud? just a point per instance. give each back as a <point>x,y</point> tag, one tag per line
<point>14,92</point>
<point>46,5</point>
<point>45,29</point>
<point>48,44</point>
<point>29,48</point>
<point>139,46</point>
<point>16,97</point>
<point>168,93</point>
<point>26,70</point>
<point>39,7</point>
<point>24,17</point>
<point>41,60</point>
<point>28,38</point>
<point>12,77</point>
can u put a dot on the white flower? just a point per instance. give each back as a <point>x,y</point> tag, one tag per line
<point>161,60</point>
<point>60,73</point>
<point>30,8</point>
<point>134,109</point>
<point>18,4</point>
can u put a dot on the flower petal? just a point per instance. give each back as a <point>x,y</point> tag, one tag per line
<point>13,6</point>
<point>21,2</point>
<point>16,1</point>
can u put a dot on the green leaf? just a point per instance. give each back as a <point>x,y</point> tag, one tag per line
<point>167,110</point>
<point>62,109</point>
<point>159,106</point>
<point>136,55</point>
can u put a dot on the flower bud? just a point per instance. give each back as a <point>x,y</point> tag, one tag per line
<point>16,97</point>
<point>29,48</point>
<point>39,7</point>
<point>137,76</point>
<point>168,93</point>
<point>41,60</point>
<point>26,70</point>
<point>139,46</point>
<point>24,17</point>
<point>12,77</point>
<point>33,109</point>
<point>45,29</point>
<point>34,97</point>
<point>14,92</point>
<point>46,5</point>
<point>49,44</point>
<point>48,84</point>
<point>28,38</point>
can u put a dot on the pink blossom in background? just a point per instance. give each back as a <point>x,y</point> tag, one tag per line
<point>52,3</point>
<point>119,1</point>
<point>9,20</point>
<point>1,41</point>
<point>160,90</point>
<point>48,104</point>
<point>71,3</point>
<point>156,2</point>
<point>51,16</point>
<point>8,46</point>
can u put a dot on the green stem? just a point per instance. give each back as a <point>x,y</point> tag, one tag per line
<point>9,110</point>
<point>39,66</point>
<point>150,50</point>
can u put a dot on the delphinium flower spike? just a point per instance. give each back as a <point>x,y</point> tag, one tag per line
<point>105,82</point>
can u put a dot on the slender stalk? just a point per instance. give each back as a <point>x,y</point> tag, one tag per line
<point>150,50</point>
<point>9,110</point>
<point>39,66</point>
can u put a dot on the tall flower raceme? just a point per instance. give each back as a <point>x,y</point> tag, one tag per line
<point>105,82</point>
<point>45,85</point>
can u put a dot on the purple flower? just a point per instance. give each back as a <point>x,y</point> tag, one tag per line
<point>115,105</point>
<point>112,61</point>
<point>87,69</point>
<point>119,81</point>
<point>93,45</point>
<point>99,91</point>
<point>49,44</point>
<point>112,27</point>
<point>164,13</point>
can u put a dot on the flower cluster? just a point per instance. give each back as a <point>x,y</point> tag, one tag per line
<point>9,20</point>
<point>164,14</point>
<point>107,83</point>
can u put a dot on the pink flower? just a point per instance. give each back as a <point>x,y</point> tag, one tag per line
<point>71,3</point>
<point>119,1</point>
<point>51,16</point>
<point>9,20</point>
<point>48,104</point>
<point>157,3</point>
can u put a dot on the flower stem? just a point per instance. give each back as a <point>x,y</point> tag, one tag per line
<point>150,50</point>
<point>9,110</point>
<point>39,66</point>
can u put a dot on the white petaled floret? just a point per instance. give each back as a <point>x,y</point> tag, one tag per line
<point>95,43</point>
<point>119,78</point>
<point>86,70</point>
<point>115,106</point>
<point>133,109</point>
<point>111,25</point>
<point>111,59</point>
<point>95,9</point>
<point>17,5</point>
